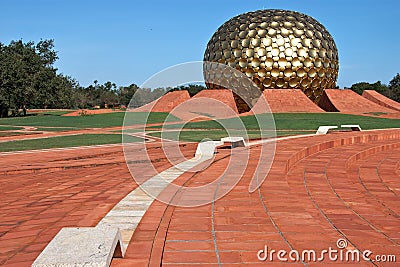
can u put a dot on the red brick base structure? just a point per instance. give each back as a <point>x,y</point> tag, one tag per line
<point>348,101</point>
<point>208,104</point>
<point>225,96</point>
<point>320,189</point>
<point>200,109</point>
<point>287,100</point>
<point>381,100</point>
<point>166,103</point>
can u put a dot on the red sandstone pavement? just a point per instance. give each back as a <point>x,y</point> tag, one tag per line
<point>348,101</point>
<point>45,191</point>
<point>312,197</point>
<point>287,100</point>
<point>319,189</point>
<point>381,100</point>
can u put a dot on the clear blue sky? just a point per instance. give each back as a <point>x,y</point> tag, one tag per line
<point>127,41</point>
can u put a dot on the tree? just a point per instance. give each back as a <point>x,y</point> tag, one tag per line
<point>394,88</point>
<point>29,80</point>
<point>191,88</point>
<point>359,88</point>
<point>125,94</point>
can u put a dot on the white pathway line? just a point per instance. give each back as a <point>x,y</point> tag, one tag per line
<point>127,214</point>
<point>150,138</point>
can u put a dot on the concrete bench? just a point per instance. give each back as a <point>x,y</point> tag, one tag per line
<point>325,129</point>
<point>354,127</point>
<point>207,148</point>
<point>87,246</point>
<point>234,141</point>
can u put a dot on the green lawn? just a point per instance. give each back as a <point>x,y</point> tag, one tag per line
<point>286,124</point>
<point>56,129</point>
<point>299,121</point>
<point>66,141</point>
<point>50,112</point>
<point>302,121</point>
<point>9,128</point>
<point>91,121</point>
<point>197,136</point>
<point>283,121</point>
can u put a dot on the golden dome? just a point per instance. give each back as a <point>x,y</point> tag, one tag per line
<point>277,49</point>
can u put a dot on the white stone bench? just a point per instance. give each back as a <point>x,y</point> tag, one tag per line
<point>234,141</point>
<point>354,127</point>
<point>325,129</point>
<point>88,246</point>
<point>207,148</point>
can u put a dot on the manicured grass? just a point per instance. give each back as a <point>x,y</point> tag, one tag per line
<point>66,141</point>
<point>50,112</point>
<point>9,128</point>
<point>197,136</point>
<point>191,136</point>
<point>300,121</point>
<point>91,121</point>
<point>56,129</point>
<point>294,123</point>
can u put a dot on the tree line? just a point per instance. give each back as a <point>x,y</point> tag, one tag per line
<point>29,80</point>
<point>392,90</point>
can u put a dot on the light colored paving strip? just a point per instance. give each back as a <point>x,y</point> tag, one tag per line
<point>127,214</point>
<point>89,246</point>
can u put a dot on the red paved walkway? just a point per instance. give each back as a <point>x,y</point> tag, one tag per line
<point>317,192</point>
<point>320,189</point>
<point>45,191</point>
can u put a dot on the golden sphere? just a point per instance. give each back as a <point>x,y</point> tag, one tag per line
<point>277,49</point>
